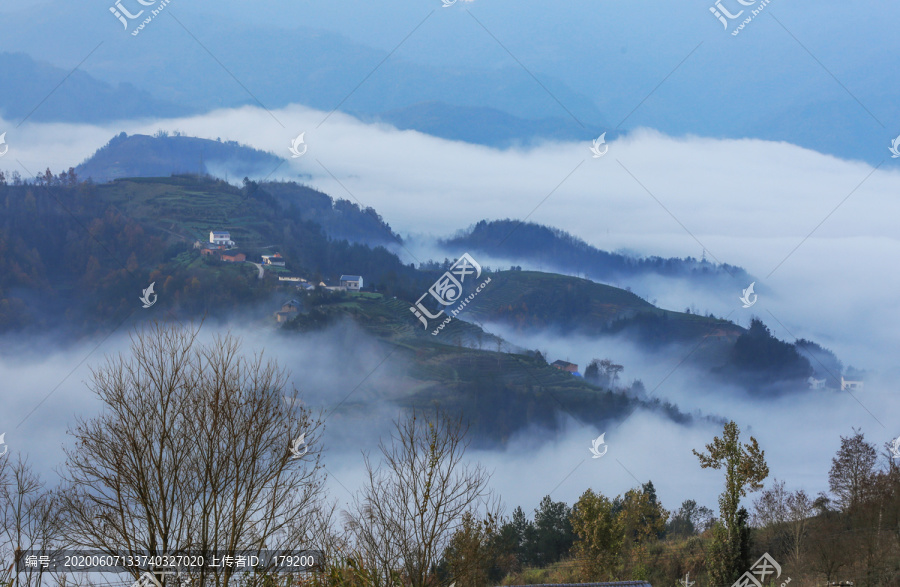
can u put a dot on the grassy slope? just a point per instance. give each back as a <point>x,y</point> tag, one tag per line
<point>182,206</point>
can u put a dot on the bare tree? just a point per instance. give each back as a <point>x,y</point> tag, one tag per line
<point>785,515</point>
<point>192,452</point>
<point>770,508</point>
<point>29,521</point>
<point>414,500</point>
<point>799,511</point>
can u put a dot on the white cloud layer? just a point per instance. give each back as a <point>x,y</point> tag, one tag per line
<point>749,202</point>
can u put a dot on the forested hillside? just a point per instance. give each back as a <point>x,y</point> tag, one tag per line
<point>556,249</point>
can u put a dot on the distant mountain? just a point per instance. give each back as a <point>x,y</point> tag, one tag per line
<point>752,358</point>
<point>83,267</point>
<point>588,61</point>
<point>557,249</point>
<point>483,126</point>
<point>30,88</point>
<point>163,155</point>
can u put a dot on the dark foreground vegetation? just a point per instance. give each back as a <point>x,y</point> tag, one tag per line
<point>195,449</point>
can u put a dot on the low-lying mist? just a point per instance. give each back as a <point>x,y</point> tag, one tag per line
<point>344,367</point>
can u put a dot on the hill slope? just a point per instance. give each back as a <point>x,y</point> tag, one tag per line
<point>79,255</point>
<point>162,155</point>
<point>557,249</point>
<point>501,392</point>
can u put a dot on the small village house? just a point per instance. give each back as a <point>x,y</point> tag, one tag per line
<point>275,260</point>
<point>217,237</point>
<point>352,282</point>
<point>816,383</point>
<point>566,366</point>
<point>288,310</point>
<point>851,384</point>
<point>234,257</point>
<point>291,306</point>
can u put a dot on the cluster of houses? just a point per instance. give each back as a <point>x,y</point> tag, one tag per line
<point>291,308</point>
<point>221,247</point>
<point>846,384</point>
<point>346,283</point>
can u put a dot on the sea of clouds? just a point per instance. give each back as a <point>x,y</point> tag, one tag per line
<point>818,234</point>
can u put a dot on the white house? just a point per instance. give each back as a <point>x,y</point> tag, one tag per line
<point>816,383</point>
<point>221,238</point>
<point>851,384</point>
<point>352,282</point>
<point>276,260</point>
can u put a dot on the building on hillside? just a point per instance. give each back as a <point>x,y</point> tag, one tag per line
<point>217,237</point>
<point>291,278</point>
<point>233,257</point>
<point>291,306</point>
<point>352,282</point>
<point>288,310</point>
<point>284,316</point>
<point>275,260</point>
<point>851,384</point>
<point>816,383</point>
<point>566,366</point>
